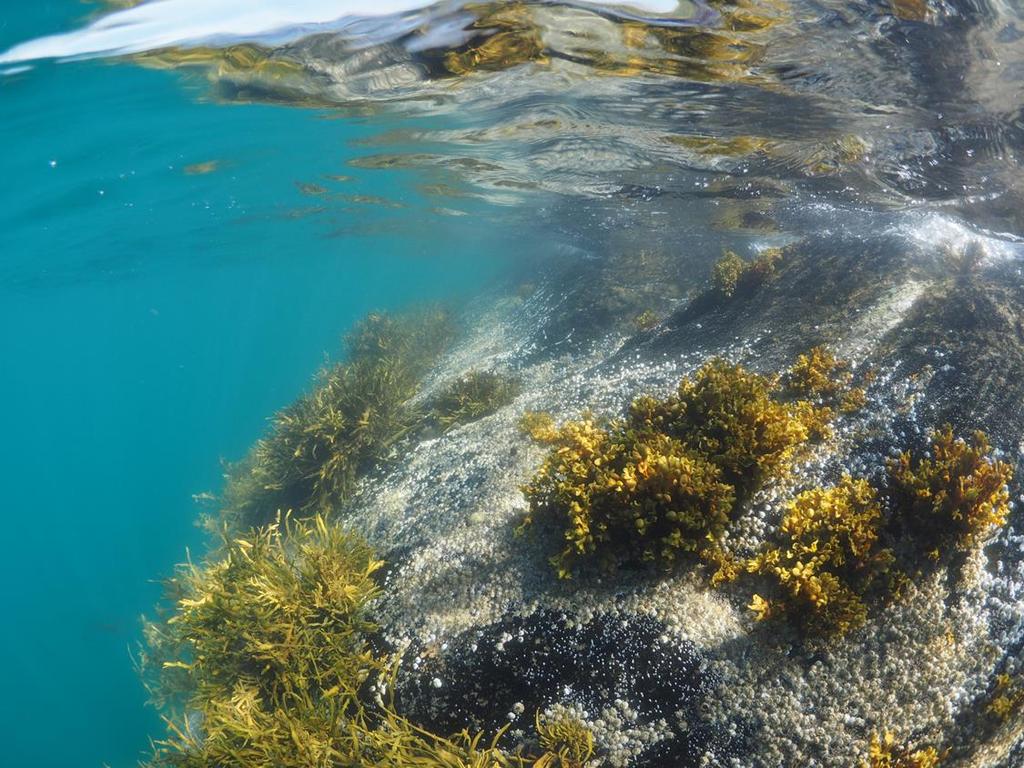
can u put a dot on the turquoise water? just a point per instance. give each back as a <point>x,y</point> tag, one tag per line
<point>152,320</point>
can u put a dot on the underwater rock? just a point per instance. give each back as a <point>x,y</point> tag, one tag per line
<point>664,668</point>
<point>969,331</point>
<point>768,548</point>
<point>638,692</point>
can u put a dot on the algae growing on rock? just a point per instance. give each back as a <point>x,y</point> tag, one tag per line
<point>721,498</point>
<point>274,639</point>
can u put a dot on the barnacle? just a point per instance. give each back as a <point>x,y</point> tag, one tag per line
<point>831,556</point>
<point>958,496</point>
<point>271,641</point>
<point>885,752</point>
<point>349,422</point>
<point>471,397</point>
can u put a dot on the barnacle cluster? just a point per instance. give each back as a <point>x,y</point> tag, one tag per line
<point>832,556</point>
<point>349,422</point>
<point>731,273</point>
<point>665,479</point>
<point>886,752</point>
<point>957,495</point>
<point>272,645</point>
<point>471,397</point>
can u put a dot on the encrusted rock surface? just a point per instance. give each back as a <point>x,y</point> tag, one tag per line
<point>667,670</point>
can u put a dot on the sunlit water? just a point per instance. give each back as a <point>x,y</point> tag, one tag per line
<point>206,195</point>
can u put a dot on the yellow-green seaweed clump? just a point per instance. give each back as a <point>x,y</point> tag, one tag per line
<point>272,643</point>
<point>819,373</point>
<point>726,273</point>
<point>957,496</point>
<point>885,752</point>
<point>732,273</point>
<point>471,397</point>
<point>272,639</point>
<point>737,419</point>
<point>1007,697</point>
<point>350,421</point>
<point>821,376</point>
<point>566,741</point>
<point>646,320</point>
<point>831,556</point>
<point>614,489</point>
<point>665,479</point>
<point>540,426</point>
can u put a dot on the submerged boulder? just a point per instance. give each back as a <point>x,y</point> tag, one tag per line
<point>664,666</point>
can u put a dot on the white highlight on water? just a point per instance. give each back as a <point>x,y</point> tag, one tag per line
<point>166,23</point>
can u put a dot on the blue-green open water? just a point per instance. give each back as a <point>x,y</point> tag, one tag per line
<point>150,322</point>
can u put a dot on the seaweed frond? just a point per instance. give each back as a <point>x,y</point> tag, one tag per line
<point>731,273</point>
<point>821,376</point>
<point>666,479</point>
<point>633,493</point>
<point>726,273</point>
<point>830,557</point>
<point>646,320</point>
<point>540,426</point>
<point>567,742</point>
<point>885,752</point>
<point>733,417</point>
<point>956,497</point>
<point>1007,698</point>
<point>471,397</point>
<point>348,424</point>
<point>273,641</point>
<point>272,636</point>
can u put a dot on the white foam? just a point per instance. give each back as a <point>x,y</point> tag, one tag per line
<point>166,23</point>
<point>932,230</point>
